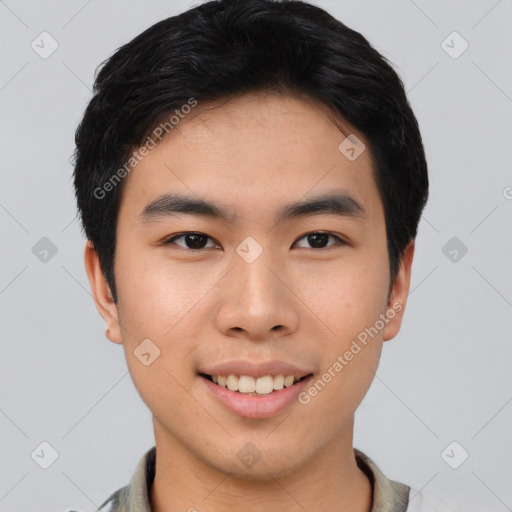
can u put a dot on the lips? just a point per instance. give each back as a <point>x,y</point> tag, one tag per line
<point>255,390</point>
<point>254,386</point>
<point>272,368</point>
<point>255,378</point>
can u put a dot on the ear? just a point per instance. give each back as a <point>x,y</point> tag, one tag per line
<point>101,293</point>
<point>400,291</point>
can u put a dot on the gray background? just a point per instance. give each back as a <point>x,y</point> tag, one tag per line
<point>445,378</point>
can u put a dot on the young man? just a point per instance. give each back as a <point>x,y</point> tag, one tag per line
<point>250,178</point>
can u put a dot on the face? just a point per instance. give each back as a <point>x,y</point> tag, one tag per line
<point>272,267</point>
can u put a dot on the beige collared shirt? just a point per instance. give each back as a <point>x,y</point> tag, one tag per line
<point>388,495</point>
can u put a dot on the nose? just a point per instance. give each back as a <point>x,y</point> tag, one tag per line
<point>256,302</point>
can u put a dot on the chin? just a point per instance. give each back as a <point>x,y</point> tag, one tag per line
<point>256,464</point>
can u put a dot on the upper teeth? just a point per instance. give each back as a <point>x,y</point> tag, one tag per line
<point>248,384</point>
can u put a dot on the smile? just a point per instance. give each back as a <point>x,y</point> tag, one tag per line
<point>254,386</point>
<point>255,397</point>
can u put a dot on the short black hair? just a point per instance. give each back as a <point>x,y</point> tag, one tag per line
<point>226,48</point>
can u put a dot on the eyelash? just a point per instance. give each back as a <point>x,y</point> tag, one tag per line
<point>339,241</point>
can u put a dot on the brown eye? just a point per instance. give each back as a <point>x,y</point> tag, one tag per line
<point>319,240</point>
<point>195,241</point>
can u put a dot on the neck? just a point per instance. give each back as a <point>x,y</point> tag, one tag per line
<point>330,481</point>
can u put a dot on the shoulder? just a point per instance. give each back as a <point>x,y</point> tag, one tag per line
<point>135,495</point>
<point>424,501</point>
<point>116,502</point>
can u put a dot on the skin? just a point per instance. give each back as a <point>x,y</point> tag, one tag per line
<point>252,154</point>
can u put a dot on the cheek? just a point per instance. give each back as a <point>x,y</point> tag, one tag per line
<point>158,304</point>
<point>349,299</point>
<point>348,296</point>
<point>156,297</point>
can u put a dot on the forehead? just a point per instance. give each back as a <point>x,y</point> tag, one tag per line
<point>251,152</point>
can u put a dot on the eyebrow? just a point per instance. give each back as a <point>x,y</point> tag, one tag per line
<point>168,205</point>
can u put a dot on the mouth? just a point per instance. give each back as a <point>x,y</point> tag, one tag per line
<point>255,386</point>
<point>253,389</point>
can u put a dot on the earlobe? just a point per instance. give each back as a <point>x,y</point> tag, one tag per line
<point>398,298</point>
<point>102,294</point>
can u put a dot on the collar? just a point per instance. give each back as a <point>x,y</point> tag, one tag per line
<point>388,495</point>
